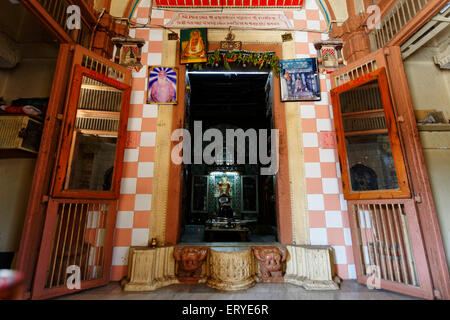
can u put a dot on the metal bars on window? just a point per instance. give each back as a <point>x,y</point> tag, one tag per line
<point>79,241</point>
<point>384,242</point>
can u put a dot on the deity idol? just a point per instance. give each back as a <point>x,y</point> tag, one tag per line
<point>224,186</point>
<point>195,47</point>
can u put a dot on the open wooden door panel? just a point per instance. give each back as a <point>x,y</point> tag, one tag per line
<point>76,248</point>
<point>386,236</point>
<point>80,206</point>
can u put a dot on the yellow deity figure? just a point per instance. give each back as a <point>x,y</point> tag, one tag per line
<point>195,47</point>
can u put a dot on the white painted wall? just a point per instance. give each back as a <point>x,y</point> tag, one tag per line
<point>32,77</point>
<point>430,89</point>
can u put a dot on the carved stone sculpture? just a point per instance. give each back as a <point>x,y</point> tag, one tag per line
<point>270,261</point>
<point>231,270</point>
<point>190,261</point>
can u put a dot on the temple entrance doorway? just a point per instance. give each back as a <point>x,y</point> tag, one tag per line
<point>229,197</point>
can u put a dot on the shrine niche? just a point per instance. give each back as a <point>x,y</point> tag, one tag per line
<point>329,55</point>
<point>129,52</point>
<point>270,261</point>
<point>190,261</point>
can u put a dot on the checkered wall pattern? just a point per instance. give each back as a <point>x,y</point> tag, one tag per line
<point>328,216</point>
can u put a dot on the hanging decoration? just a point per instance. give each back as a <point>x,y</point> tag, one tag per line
<point>129,52</point>
<point>230,44</point>
<point>329,55</point>
<point>226,59</point>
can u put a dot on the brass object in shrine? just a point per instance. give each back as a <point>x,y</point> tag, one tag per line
<point>287,37</point>
<point>229,44</point>
<point>173,36</point>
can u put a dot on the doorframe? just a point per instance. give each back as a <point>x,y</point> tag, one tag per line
<point>412,147</point>
<point>291,182</point>
<point>420,181</point>
<point>426,207</point>
<point>391,59</point>
<point>42,178</point>
<point>176,176</point>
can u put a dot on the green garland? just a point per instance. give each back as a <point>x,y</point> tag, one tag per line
<point>223,58</point>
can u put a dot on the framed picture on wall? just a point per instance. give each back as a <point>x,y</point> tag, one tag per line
<point>193,45</point>
<point>299,80</point>
<point>162,85</point>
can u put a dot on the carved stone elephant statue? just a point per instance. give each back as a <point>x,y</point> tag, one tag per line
<point>270,261</point>
<point>190,260</point>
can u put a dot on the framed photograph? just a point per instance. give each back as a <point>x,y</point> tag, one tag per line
<point>299,80</point>
<point>162,85</point>
<point>193,45</point>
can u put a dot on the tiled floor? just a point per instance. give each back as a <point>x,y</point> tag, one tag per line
<point>350,290</point>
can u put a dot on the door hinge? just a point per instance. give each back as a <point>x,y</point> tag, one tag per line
<point>59,116</point>
<point>45,199</point>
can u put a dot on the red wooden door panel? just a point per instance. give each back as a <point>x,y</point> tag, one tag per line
<point>387,239</point>
<point>78,225</point>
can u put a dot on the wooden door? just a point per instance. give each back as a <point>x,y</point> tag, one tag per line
<point>76,243</point>
<point>386,236</point>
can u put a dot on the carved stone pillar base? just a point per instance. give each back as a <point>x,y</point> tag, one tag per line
<point>235,270</point>
<point>150,269</point>
<point>310,267</point>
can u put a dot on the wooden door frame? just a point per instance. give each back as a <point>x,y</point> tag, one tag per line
<point>391,59</point>
<point>39,193</point>
<point>67,137</point>
<point>283,194</point>
<point>419,178</point>
<point>45,173</point>
<point>411,144</point>
<point>403,191</point>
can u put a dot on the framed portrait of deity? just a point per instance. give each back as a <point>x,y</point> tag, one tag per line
<point>162,85</point>
<point>193,45</point>
<point>299,80</point>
